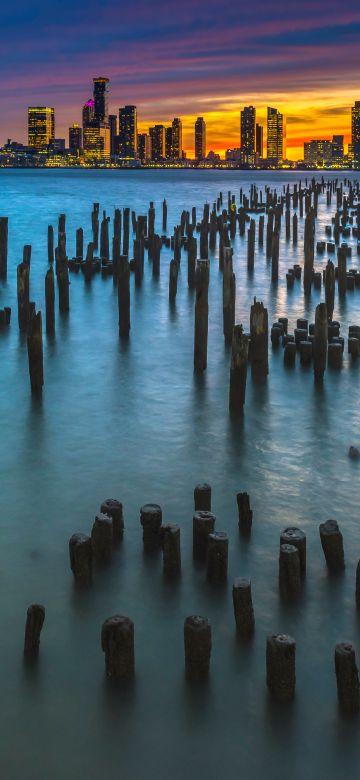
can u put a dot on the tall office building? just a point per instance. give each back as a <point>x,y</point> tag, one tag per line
<point>200,139</point>
<point>101,99</point>
<point>247,134</point>
<point>176,139</point>
<point>168,142</point>
<point>96,141</point>
<point>113,132</point>
<point>355,134</point>
<point>157,136</point>
<point>144,147</point>
<point>128,132</point>
<point>41,127</point>
<point>88,113</point>
<point>259,140</point>
<point>276,136</point>
<point>75,139</point>
<point>337,150</point>
<point>318,153</point>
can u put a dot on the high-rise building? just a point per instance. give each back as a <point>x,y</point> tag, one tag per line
<point>337,150</point>
<point>355,134</point>
<point>157,136</point>
<point>96,141</point>
<point>276,136</point>
<point>113,132</point>
<point>101,98</point>
<point>88,113</point>
<point>128,132</point>
<point>75,139</point>
<point>144,147</point>
<point>200,139</point>
<point>41,127</point>
<point>318,153</point>
<point>259,140</point>
<point>247,134</point>
<point>176,139</point>
<point>168,142</point>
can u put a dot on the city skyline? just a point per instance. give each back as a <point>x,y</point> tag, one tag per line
<point>197,62</point>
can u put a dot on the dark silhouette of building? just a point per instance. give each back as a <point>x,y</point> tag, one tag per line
<point>176,151</point>
<point>113,132</point>
<point>337,150</point>
<point>88,113</point>
<point>128,132</point>
<point>75,139</point>
<point>101,98</point>
<point>259,140</point>
<point>157,136</point>
<point>247,135</point>
<point>168,142</point>
<point>41,127</point>
<point>200,139</point>
<point>276,136</point>
<point>355,133</point>
<point>144,147</point>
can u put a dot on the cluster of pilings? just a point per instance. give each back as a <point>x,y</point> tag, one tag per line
<point>210,549</point>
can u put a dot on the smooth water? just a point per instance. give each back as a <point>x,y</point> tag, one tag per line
<point>132,421</point>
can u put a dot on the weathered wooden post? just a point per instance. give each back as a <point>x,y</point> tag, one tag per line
<point>280,666</point>
<point>173,280</point>
<point>23,295</point>
<point>217,557</point>
<point>104,238</point>
<point>80,553</point>
<point>202,497</point>
<point>275,256</point>
<point>330,289</point>
<point>347,678</point>
<point>4,228</point>
<point>170,538</point>
<point>203,526</point>
<point>34,623</point>
<point>243,607</point>
<point>117,226</point>
<point>259,340</point>
<point>295,228</point>
<point>201,314</point>
<point>156,255</point>
<point>289,571</point>
<point>27,254</point>
<point>238,370</point>
<point>151,519</point>
<point>63,286</point>
<point>342,270</point>
<point>261,230</point>
<point>50,243</point>
<point>95,224</point>
<point>309,251</point>
<point>35,353</point>
<point>251,246</point>
<point>296,538</point>
<point>126,232</point>
<point>79,244</point>
<point>357,586</point>
<point>50,301</point>
<point>164,216</point>
<point>124,296</point>
<point>197,644</point>
<point>192,251</point>
<point>115,257</point>
<point>114,509</point>
<point>320,341</point>
<point>287,224</point>
<point>117,642</point>
<point>229,294</point>
<point>244,512</point>
<point>102,538</point>
<point>332,544</point>
<point>269,232</point>
<point>138,260</point>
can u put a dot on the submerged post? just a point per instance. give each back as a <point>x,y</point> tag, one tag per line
<point>201,314</point>
<point>4,225</point>
<point>238,370</point>
<point>35,353</point>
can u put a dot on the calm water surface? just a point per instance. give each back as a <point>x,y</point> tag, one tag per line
<point>132,421</point>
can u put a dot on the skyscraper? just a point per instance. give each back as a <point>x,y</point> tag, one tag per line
<point>113,132</point>
<point>247,134</point>
<point>337,149</point>
<point>259,140</point>
<point>88,113</point>
<point>157,136</point>
<point>75,139</point>
<point>176,139</point>
<point>200,139</point>
<point>128,131</point>
<point>96,140</point>
<point>276,136</point>
<point>101,91</point>
<point>41,127</point>
<point>144,147</point>
<point>355,133</point>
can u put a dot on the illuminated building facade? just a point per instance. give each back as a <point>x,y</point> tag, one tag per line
<point>259,141</point>
<point>41,127</point>
<point>128,132</point>
<point>337,150</point>
<point>355,134</point>
<point>96,141</point>
<point>168,142</point>
<point>176,146</point>
<point>88,112</point>
<point>144,147</point>
<point>75,139</point>
<point>247,134</point>
<point>101,99</point>
<point>157,137</point>
<point>318,153</point>
<point>200,139</point>
<point>276,136</point>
